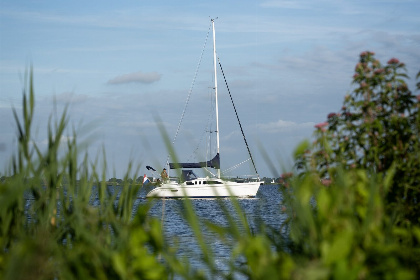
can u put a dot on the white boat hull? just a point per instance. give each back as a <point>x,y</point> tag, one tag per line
<point>199,189</point>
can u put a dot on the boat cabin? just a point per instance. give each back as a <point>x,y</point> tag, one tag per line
<point>189,177</point>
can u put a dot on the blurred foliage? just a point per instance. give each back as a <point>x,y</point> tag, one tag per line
<point>354,204</point>
<point>49,229</point>
<point>352,208</point>
<point>342,231</point>
<point>377,127</point>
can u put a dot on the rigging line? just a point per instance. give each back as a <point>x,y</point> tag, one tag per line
<point>207,129</point>
<point>189,92</point>
<point>235,166</point>
<point>194,153</point>
<point>237,117</point>
<point>206,169</point>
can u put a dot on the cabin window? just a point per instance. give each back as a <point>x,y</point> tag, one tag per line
<point>189,183</point>
<point>214,182</point>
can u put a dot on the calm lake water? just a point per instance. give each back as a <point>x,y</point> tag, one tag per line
<point>265,206</point>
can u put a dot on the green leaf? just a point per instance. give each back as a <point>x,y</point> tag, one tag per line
<point>301,149</point>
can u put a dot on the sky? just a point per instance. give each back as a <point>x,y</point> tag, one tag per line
<point>125,70</point>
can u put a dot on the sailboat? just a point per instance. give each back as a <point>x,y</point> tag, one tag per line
<point>192,186</point>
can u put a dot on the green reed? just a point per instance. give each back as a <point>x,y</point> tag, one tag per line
<point>340,221</point>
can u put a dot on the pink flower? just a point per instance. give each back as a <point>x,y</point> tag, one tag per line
<point>326,182</point>
<point>321,125</point>
<point>365,53</point>
<point>330,115</point>
<point>356,76</point>
<point>379,71</point>
<point>393,61</point>
<point>287,175</point>
<point>418,97</point>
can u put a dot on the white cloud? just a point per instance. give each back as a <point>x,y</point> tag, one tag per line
<point>283,126</point>
<point>132,124</point>
<point>137,77</point>
<point>285,4</point>
<point>70,98</point>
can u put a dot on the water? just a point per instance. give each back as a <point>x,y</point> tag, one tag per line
<point>266,206</point>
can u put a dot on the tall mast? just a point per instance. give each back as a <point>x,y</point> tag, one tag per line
<point>215,93</point>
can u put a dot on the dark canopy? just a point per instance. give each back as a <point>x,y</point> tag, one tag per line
<point>214,163</point>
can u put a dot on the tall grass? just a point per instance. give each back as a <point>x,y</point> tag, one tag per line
<point>51,229</point>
